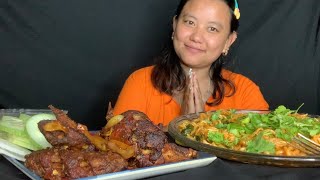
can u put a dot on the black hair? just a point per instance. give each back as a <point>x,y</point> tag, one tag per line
<point>168,76</point>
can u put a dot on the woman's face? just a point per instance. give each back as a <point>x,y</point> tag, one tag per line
<point>202,32</point>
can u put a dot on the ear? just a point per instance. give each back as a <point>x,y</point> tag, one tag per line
<point>231,39</point>
<point>174,22</point>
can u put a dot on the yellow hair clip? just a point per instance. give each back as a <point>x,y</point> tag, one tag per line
<point>236,11</point>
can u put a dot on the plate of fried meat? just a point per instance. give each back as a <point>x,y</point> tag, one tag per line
<point>129,146</point>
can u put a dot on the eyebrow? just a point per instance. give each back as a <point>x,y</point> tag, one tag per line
<point>188,15</point>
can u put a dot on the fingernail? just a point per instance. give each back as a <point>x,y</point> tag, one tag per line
<point>190,72</point>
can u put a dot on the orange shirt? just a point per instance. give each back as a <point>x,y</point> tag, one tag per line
<point>138,93</point>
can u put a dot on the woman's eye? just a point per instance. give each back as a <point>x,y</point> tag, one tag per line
<point>213,29</point>
<point>189,22</point>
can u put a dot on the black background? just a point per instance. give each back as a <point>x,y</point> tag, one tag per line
<point>76,54</point>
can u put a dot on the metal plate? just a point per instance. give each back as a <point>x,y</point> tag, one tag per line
<point>202,160</point>
<point>244,157</point>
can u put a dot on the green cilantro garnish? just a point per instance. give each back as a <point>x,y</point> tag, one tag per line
<point>259,145</point>
<point>215,115</point>
<point>189,128</point>
<point>215,137</point>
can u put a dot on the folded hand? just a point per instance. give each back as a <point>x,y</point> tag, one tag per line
<point>192,98</point>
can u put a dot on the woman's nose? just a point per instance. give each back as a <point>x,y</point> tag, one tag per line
<point>196,35</point>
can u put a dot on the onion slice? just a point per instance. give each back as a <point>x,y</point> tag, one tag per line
<point>114,120</point>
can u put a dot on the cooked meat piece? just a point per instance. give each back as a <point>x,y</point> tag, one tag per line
<point>75,163</point>
<point>65,131</point>
<point>69,162</point>
<point>147,135</point>
<point>106,162</point>
<point>68,136</point>
<point>63,118</point>
<point>150,142</point>
<point>46,163</point>
<point>174,153</point>
<point>109,113</point>
<point>138,131</point>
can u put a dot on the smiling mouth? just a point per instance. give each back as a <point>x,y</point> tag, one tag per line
<point>194,49</point>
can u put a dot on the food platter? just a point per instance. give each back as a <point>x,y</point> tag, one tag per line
<point>202,160</point>
<point>240,156</point>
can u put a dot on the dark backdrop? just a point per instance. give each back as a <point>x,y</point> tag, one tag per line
<point>76,54</point>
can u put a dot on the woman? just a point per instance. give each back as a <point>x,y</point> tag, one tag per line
<point>188,76</point>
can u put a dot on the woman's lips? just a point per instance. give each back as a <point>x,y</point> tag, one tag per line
<point>193,49</point>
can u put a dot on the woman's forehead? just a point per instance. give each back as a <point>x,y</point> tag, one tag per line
<point>209,10</point>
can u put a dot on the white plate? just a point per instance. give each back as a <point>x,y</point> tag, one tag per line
<point>202,160</point>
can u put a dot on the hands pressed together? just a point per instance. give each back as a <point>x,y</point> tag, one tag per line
<point>192,98</point>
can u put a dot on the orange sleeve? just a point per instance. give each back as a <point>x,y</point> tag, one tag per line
<point>133,93</point>
<point>249,94</point>
<point>139,94</point>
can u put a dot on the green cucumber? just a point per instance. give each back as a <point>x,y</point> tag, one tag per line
<point>24,117</point>
<point>12,154</point>
<point>4,135</point>
<point>13,150</point>
<point>25,142</point>
<point>34,131</point>
<point>13,125</point>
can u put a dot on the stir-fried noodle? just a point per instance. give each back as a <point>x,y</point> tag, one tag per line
<point>265,133</point>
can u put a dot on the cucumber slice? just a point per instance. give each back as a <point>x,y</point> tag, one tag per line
<point>34,131</point>
<point>24,117</point>
<point>25,142</point>
<point>12,154</point>
<point>4,135</point>
<point>13,150</point>
<point>13,125</point>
